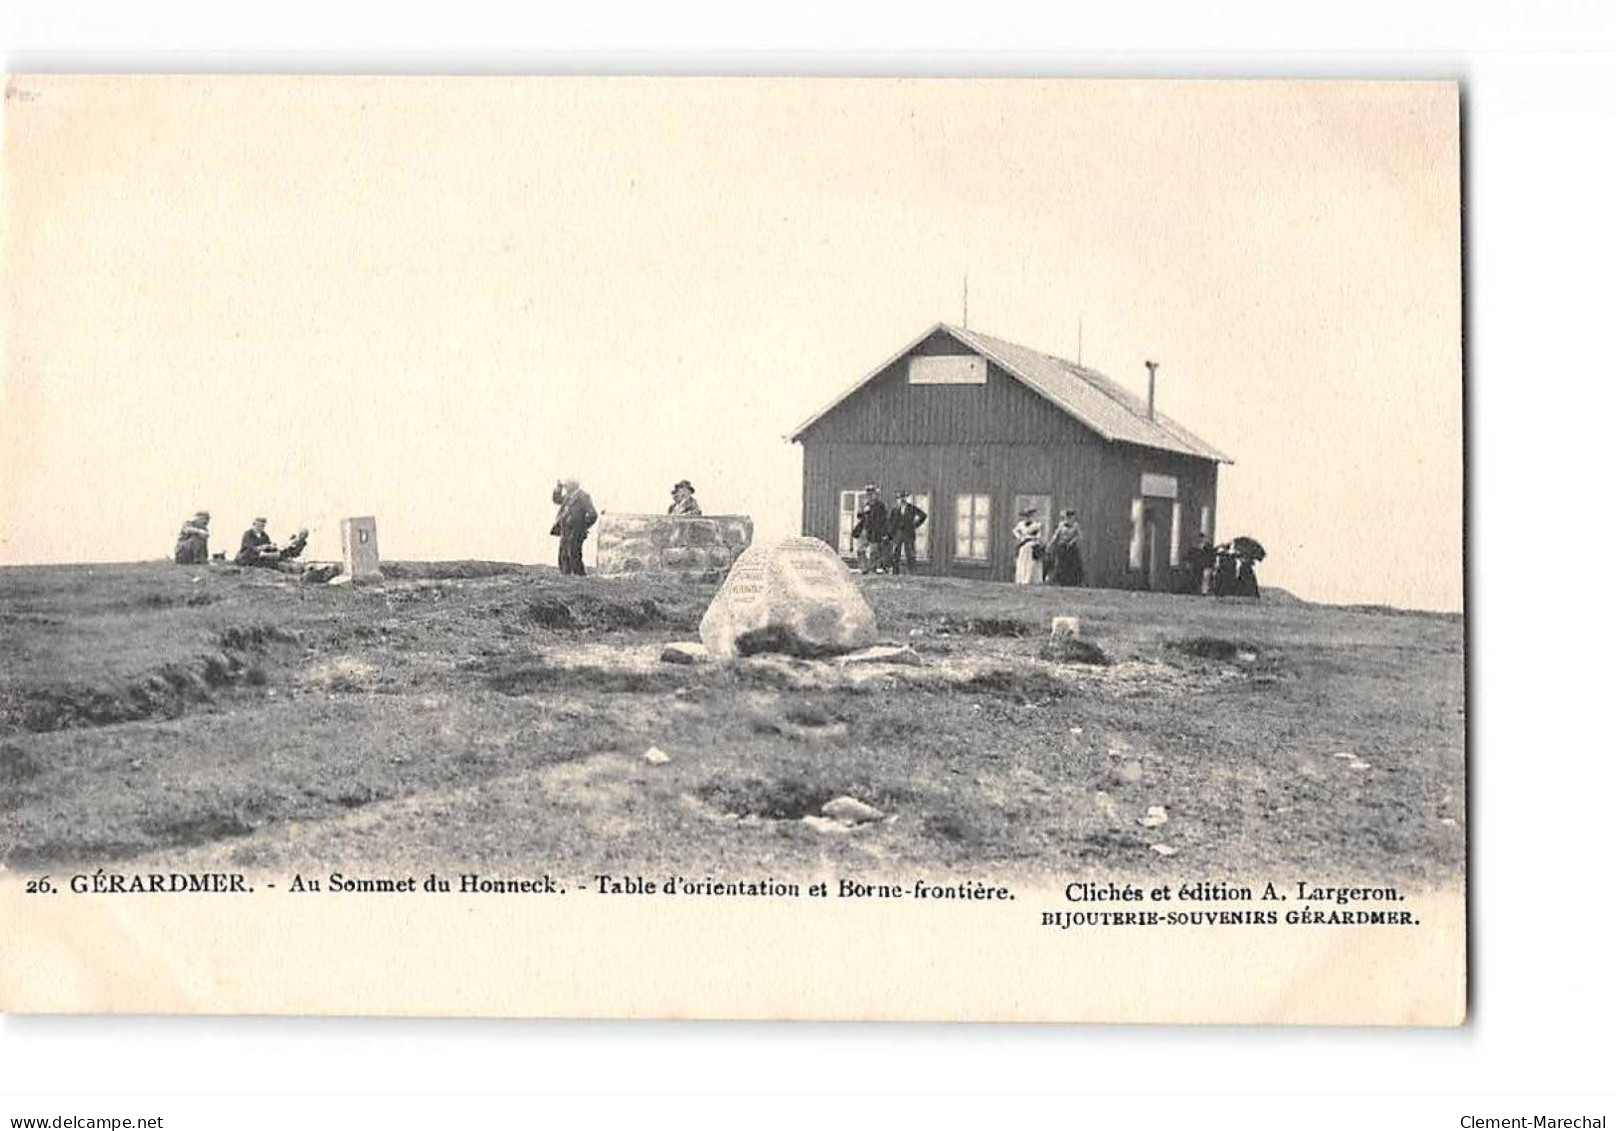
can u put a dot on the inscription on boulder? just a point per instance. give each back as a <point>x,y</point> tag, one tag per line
<point>793,596</point>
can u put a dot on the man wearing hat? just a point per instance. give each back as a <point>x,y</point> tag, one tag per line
<point>574,518</point>
<point>905,519</point>
<point>870,529</point>
<point>684,500</point>
<point>257,548</point>
<point>192,546</point>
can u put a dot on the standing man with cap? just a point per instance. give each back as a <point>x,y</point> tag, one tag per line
<point>870,531</point>
<point>684,500</point>
<point>906,518</point>
<point>574,518</point>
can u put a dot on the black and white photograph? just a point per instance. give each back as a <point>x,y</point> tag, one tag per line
<point>1021,516</point>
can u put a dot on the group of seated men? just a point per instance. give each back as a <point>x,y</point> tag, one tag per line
<point>257,547</point>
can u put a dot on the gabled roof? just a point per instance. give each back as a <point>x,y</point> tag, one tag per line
<point>1089,397</point>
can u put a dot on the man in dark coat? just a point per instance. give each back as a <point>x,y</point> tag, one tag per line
<point>1224,571</point>
<point>905,519</point>
<point>257,548</point>
<point>1245,576</point>
<point>1198,565</point>
<point>1063,560</point>
<point>574,518</point>
<point>870,530</point>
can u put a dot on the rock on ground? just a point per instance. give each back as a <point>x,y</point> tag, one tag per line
<point>793,596</point>
<point>883,654</point>
<point>851,810</point>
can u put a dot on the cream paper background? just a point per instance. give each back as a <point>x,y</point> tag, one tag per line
<point>367,272</point>
<point>693,957</point>
<point>428,299</point>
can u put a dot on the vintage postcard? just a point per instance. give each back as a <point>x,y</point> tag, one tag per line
<point>979,550</point>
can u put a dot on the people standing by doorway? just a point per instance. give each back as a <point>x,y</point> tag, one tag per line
<point>1029,535</point>
<point>1063,560</point>
<point>870,530</point>
<point>902,524</point>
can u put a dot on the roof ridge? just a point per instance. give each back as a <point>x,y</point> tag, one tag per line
<point>1052,377</point>
<point>1106,384</point>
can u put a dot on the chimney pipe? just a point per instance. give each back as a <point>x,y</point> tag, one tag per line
<point>1150,405</point>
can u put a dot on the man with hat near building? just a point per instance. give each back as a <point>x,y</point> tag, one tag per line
<point>870,530</point>
<point>905,519</point>
<point>684,500</point>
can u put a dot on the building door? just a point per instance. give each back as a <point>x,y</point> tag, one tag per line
<point>846,516</point>
<point>1158,570</point>
<point>922,499</point>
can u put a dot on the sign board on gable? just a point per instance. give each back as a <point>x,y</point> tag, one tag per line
<point>1158,486</point>
<point>948,370</point>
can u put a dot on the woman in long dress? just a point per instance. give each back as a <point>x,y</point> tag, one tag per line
<point>1064,557</point>
<point>1029,534</point>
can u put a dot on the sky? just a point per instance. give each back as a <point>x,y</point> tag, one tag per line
<point>428,299</point>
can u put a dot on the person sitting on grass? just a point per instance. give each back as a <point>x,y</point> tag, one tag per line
<point>192,546</point>
<point>295,548</point>
<point>257,547</point>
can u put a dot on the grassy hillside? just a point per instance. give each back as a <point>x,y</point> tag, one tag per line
<point>493,716</point>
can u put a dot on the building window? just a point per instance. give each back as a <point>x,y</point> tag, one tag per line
<point>1158,486</point>
<point>948,370</point>
<point>1178,528</point>
<point>1136,542</point>
<point>973,518</point>
<point>1206,522</point>
<point>923,535</point>
<point>845,518</point>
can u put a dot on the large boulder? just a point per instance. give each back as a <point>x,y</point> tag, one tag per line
<point>700,547</point>
<point>793,596</point>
